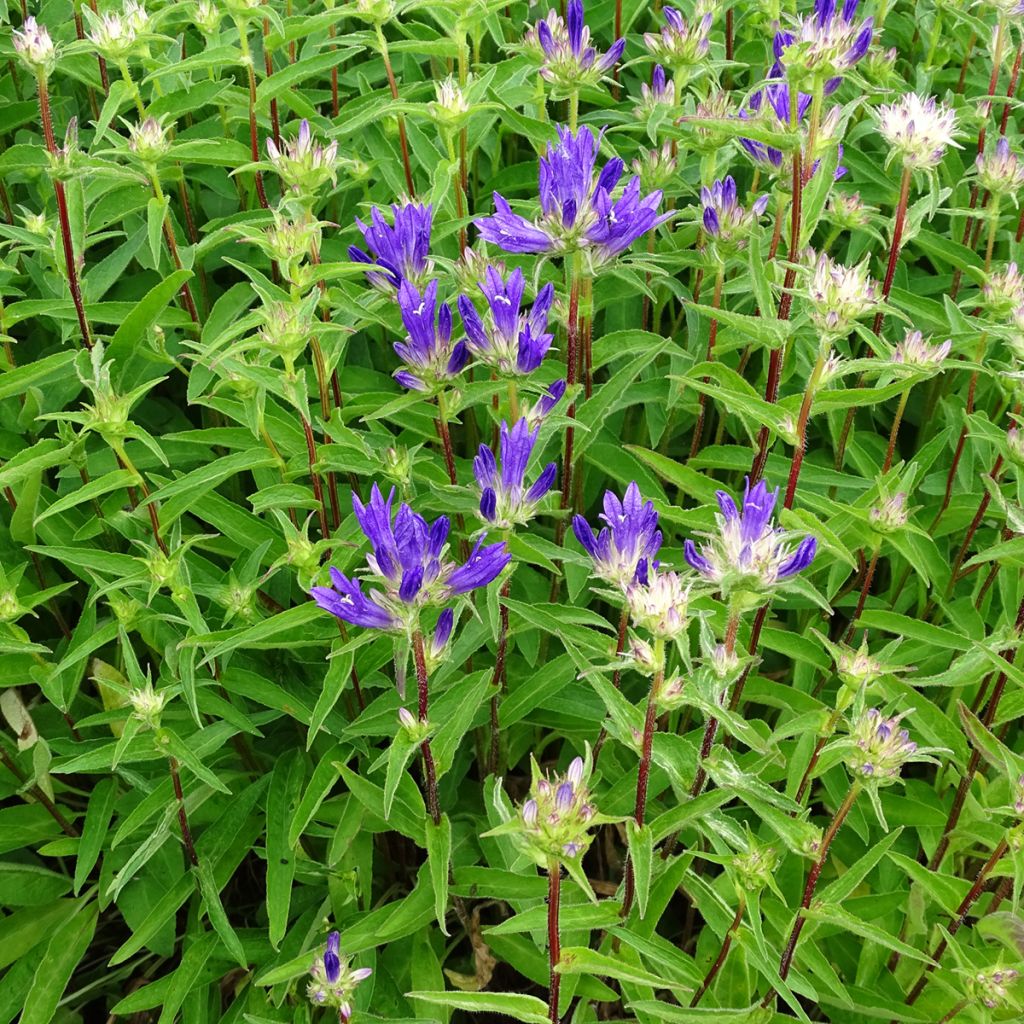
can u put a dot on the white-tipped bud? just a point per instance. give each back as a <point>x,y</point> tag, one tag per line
<point>32,43</point>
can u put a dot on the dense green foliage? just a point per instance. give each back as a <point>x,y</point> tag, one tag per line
<point>203,773</point>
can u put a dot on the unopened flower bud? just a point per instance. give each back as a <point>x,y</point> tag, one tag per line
<point>847,210</point>
<point>1003,292</point>
<point>991,987</point>
<point>1000,170</point>
<point>913,351</point>
<point>450,107</point>
<point>754,868</point>
<point>207,17</point>
<point>880,748</point>
<point>839,295</point>
<point>147,705</point>
<point>148,141</point>
<point>376,12</point>
<point>32,43</point>
<point>303,163</point>
<point>113,35</point>
<point>891,515</point>
<point>656,167</point>
<point>658,604</point>
<point>1015,444</point>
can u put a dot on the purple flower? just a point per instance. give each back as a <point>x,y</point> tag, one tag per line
<point>513,342</point>
<point>563,46</point>
<point>504,498</point>
<point>536,414</point>
<point>409,561</point>
<point>749,553</point>
<point>577,209</point>
<point>431,360</point>
<point>830,42</point>
<point>776,116</point>
<point>442,633</point>
<point>627,542</point>
<point>400,251</point>
<point>332,958</point>
<point>777,95</point>
<point>723,218</point>
<point>660,93</point>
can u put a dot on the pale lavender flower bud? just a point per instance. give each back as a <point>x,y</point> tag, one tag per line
<point>879,747</point>
<point>914,351</point>
<point>1000,170</point>
<point>890,515</point>
<point>32,43</point>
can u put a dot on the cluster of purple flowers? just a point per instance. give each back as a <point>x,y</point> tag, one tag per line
<point>629,540</point>
<point>568,59</point>
<point>825,43</point>
<point>400,250</point>
<point>505,500</point>
<point>430,358</point>
<point>409,562</point>
<point>577,208</point>
<point>723,218</point>
<point>748,552</point>
<point>513,342</point>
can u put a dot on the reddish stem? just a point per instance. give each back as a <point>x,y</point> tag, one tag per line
<point>554,942</point>
<point>70,264</point>
<point>429,771</point>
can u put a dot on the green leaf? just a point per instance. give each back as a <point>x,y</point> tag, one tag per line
<point>583,960</point>
<point>528,1009</point>
<point>130,334</point>
<point>94,829</point>
<point>439,855</point>
<point>66,949</point>
<point>282,799</point>
<point>641,854</point>
<point>832,914</point>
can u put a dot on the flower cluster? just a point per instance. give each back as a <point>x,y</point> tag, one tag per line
<point>1003,290</point>
<point>512,342</point>
<point>411,565</point>
<point>839,295</point>
<point>658,602</point>
<point>917,130</point>
<point>1000,171</point>
<point>148,140</point>
<point>879,748</point>
<point>505,501</point>
<point>678,44</point>
<point>399,250</point>
<point>823,44</point>
<point>660,93</point>
<point>748,553</point>
<point>577,208</point>
<point>568,60</point>
<point>726,222</point>
<point>556,818</point>
<point>431,360</point>
<point>991,987</point>
<point>304,165</point>
<point>629,537</point>
<point>32,43</point>
<point>916,353</point>
<point>333,980</point>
